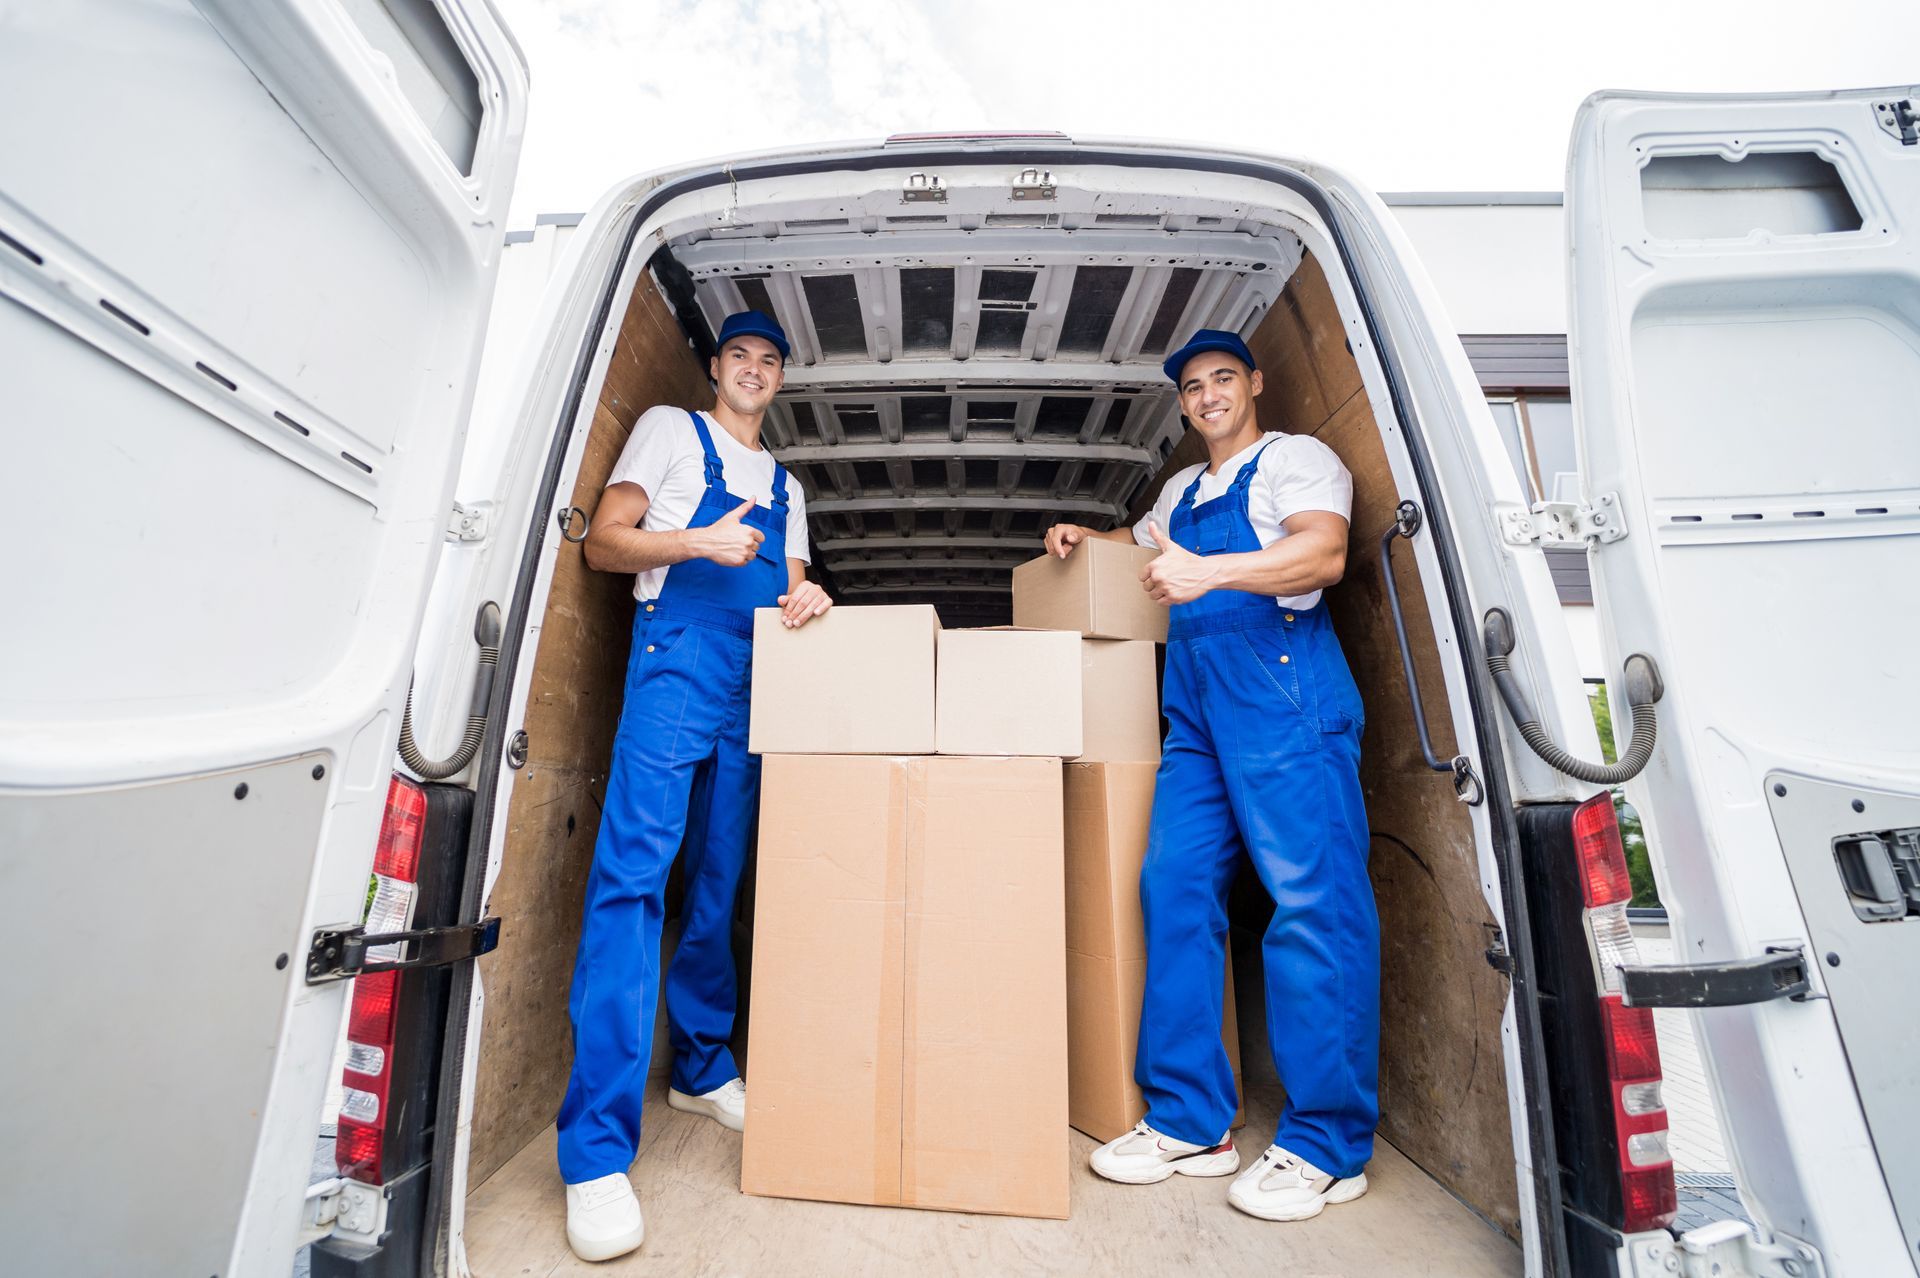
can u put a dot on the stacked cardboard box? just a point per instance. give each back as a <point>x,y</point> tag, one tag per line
<point>908,1037</point>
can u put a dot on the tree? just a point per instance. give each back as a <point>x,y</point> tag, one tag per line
<point>1632,837</point>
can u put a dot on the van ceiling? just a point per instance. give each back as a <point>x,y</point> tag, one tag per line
<point>959,382</point>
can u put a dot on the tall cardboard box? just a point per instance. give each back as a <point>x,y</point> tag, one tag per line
<point>909,1006</point>
<point>1008,691</point>
<point>1119,702</point>
<point>1095,590</point>
<point>1107,810</point>
<point>858,680</point>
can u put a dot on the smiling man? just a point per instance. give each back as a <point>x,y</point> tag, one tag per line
<point>1262,754</point>
<point>712,528</point>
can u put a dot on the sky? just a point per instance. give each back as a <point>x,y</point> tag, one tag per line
<point>1403,96</point>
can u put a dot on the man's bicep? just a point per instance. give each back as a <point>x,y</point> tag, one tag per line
<point>622,505</point>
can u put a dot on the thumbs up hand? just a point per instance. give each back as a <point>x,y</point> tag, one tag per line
<point>1178,575</point>
<point>729,542</point>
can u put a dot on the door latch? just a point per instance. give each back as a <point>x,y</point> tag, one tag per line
<point>341,953</point>
<point>921,188</point>
<point>1562,523</point>
<point>1901,119</point>
<point>1033,184</point>
<point>1780,973</point>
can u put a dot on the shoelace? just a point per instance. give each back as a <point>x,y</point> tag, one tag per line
<point>599,1194</point>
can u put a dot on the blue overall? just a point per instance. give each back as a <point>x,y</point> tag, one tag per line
<point>1262,754</point>
<point>680,772</point>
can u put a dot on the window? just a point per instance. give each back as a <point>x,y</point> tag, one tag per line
<point>430,69</point>
<point>1538,432</point>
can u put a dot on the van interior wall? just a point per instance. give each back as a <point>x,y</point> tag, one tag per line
<point>1443,1096</point>
<point>579,672</point>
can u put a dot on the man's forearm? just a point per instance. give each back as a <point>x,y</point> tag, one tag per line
<point>622,549</point>
<point>1296,565</point>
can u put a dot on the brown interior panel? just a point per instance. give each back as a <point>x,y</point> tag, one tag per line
<point>574,706</point>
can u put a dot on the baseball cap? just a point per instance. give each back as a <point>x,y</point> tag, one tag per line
<point>752,324</point>
<point>1207,339</point>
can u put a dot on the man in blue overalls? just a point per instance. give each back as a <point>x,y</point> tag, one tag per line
<point>706,520</point>
<point>1262,754</point>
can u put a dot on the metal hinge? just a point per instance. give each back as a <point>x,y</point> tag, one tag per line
<point>1033,184</point>
<point>1901,119</point>
<point>1561,523</point>
<point>1499,958</point>
<point>920,188</point>
<point>338,1205</point>
<point>469,523</point>
<point>341,953</point>
<point>1721,1250</point>
<point>1780,973</point>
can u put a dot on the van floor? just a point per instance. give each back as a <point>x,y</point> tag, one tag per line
<point>699,1223</point>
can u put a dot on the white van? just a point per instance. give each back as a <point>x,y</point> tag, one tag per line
<point>247,251</point>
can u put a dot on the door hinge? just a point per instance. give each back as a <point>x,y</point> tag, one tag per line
<point>341,953</point>
<point>1901,119</point>
<point>921,188</point>
<point>1499,958</point>
<point>469,523</point>
<point>1033,184</point>
<point>339,1205</point>
<point>1780,973</point>
<point>1720,1250</point>
<point>1562,523</point>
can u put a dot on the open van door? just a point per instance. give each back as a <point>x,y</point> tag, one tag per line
<point>1746,376</point>
<point>246,252</point>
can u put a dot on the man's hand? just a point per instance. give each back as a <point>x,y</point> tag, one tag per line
<point>1062,538</point>
<point>727,541</point>
<point>802,604</point>
<point>1178,575</point>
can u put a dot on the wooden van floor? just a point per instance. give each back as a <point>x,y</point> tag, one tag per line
<point>699,1223</point>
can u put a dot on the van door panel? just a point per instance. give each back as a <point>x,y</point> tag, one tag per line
<point>243,278</point>
<point>1746,346</point>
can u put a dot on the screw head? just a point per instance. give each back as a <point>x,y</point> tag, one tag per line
<point>1859,805</point>
<point>280,964</point>
<point>240,791</point>
<point>1779,789</point>
<point>1833,959</point>
<point>319,770</point>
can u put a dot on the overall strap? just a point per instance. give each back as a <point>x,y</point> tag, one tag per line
<point>1244,480</point>
<point>716,477</point>
<point>779,486</point>
<point>1193,489</point>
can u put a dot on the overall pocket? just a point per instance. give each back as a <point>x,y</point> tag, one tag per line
<point>1273,653</point>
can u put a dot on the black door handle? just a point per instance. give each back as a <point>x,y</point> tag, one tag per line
<point>1466,785</point>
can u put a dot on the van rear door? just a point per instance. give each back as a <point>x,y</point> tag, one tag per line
<point>1746,347</point>
<point>246,251</point>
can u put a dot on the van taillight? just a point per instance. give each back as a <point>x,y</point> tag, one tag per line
<point>370,1025</point>
<point>1633,1053</point>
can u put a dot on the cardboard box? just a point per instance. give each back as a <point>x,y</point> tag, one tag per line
<point>1095,590</point>
<point>908,1021</point>
<point>1007,691</point>
<point>1119,702</point>
<point>855,681</point>
<point>1108,806</point>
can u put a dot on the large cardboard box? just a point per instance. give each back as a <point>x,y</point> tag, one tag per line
<point>856,681</point>
<point>1107,810</point>
<point>1119,702</point>
<point>908,1022</point>
<point>1008,691</point>
<point>1095,590</point>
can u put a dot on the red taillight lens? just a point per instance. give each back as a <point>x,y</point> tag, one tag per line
<point>1633,1053</point>
<point>1603,861</point>
<point>398,855</point>
<point>368,1075</point>
<point>1652,1202</point>
<point>1639,1116</point>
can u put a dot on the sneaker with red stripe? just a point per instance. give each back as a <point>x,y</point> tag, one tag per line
<point>1145,1157</point>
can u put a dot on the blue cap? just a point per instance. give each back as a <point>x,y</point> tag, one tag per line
<point>1208,339</point>
<point>752,324</point>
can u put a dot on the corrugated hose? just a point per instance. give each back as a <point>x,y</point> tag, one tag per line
<point>1644,688</point>
<point>486,632</point>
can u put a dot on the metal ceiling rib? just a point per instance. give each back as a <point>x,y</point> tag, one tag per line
<point>956,389</point>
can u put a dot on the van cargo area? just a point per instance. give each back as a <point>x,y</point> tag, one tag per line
<point>957,385</point>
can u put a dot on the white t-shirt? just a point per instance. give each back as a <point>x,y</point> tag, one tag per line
<point>663,456</point>
<point>1298,473</point>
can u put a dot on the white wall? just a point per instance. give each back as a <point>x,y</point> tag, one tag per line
<point>1501,267</point>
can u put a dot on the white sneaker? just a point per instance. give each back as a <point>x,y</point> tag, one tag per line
<point>1146,1157</point>
<point>725,1104</point>
<point>1280,1186</point>
<point>603,1218</point>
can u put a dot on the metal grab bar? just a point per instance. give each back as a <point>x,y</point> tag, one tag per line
<point>1466,785</point>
